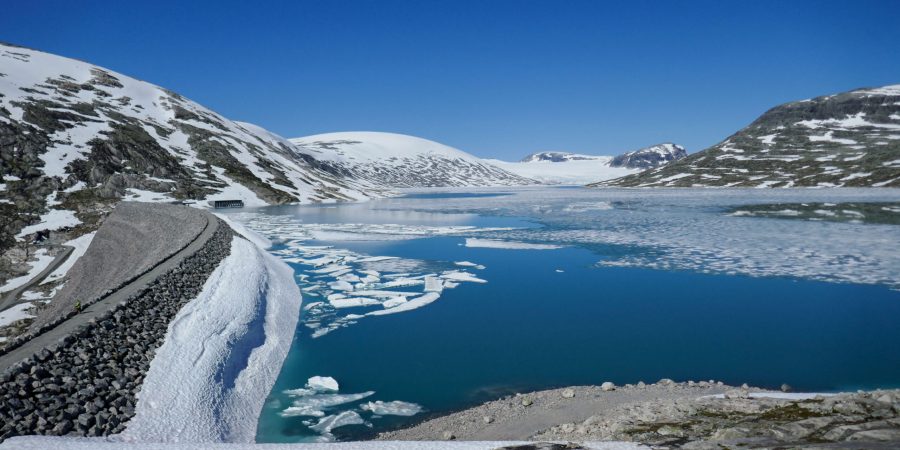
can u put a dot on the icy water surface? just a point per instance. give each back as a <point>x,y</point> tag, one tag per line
<point>442,300</point>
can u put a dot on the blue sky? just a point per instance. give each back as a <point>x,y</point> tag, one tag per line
<point>495,78</point>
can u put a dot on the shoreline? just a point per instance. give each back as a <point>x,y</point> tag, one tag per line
<point>672,414</point>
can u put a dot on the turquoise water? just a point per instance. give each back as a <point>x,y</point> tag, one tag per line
<point>550,318</point>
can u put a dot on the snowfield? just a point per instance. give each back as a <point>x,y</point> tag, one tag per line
<point>223,351</point>
<point>570,172</point>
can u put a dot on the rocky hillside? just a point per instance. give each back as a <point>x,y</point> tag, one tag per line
<point>847,139</point>
<point>398,161</point>
<point>650,157</point>
<point>76,138</point>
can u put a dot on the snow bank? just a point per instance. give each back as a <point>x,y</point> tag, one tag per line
<point>15,313</point>
<point>80,245</point>
<point>239,228</point>
<point>222,354</point>
<point>53,220</point>
<point>43,260</point>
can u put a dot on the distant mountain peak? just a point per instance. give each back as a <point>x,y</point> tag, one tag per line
<point>650,157</point>
<point>557,157</point>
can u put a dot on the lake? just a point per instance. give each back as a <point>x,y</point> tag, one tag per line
<point>441,300</point>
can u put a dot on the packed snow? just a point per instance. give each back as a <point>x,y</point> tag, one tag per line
<point>223,350</point>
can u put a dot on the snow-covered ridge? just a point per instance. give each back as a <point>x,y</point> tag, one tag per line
<point>392,160</point>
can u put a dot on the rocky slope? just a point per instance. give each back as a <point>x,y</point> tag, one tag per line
<point>847,139</point>
<point>393,160</point>
<point>574,168</point>
<point>76,138</point>
<point>650,157</point>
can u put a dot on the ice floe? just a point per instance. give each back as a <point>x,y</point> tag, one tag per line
<point>344,418</point>
<point>337,281</point>
<point>320,398</point>
<point>394,408</point>
<point>509,245</point>
<point>684,229</point>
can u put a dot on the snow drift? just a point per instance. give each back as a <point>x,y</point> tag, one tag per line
<point>222,354</point>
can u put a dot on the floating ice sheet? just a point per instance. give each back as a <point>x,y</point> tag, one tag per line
<point>395,408</point>
<point>336,281</point>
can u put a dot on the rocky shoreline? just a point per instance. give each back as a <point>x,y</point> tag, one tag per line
<point>87,384</point>
<point>668,414</point>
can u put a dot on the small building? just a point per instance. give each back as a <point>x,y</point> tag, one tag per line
<point>226,203</point>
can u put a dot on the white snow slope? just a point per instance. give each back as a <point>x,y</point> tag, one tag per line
<point>222,354</point>
<point>570,171</point>
<point>394,160</point>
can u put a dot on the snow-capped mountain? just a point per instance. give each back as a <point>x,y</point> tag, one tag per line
<point>579,169</point>
<point>557,157</point>
<point>846,139</point>
<point>393,160</point>
<point>75,138</point>
<point>650,157</point>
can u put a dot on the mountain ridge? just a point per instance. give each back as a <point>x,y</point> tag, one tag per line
<point>393,160</point>
<point>845,139</point>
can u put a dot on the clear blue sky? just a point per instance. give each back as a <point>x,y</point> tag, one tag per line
<point>495,78</point>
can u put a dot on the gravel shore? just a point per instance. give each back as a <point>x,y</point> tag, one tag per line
<point>522,416</point>
<point>667,414</point>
